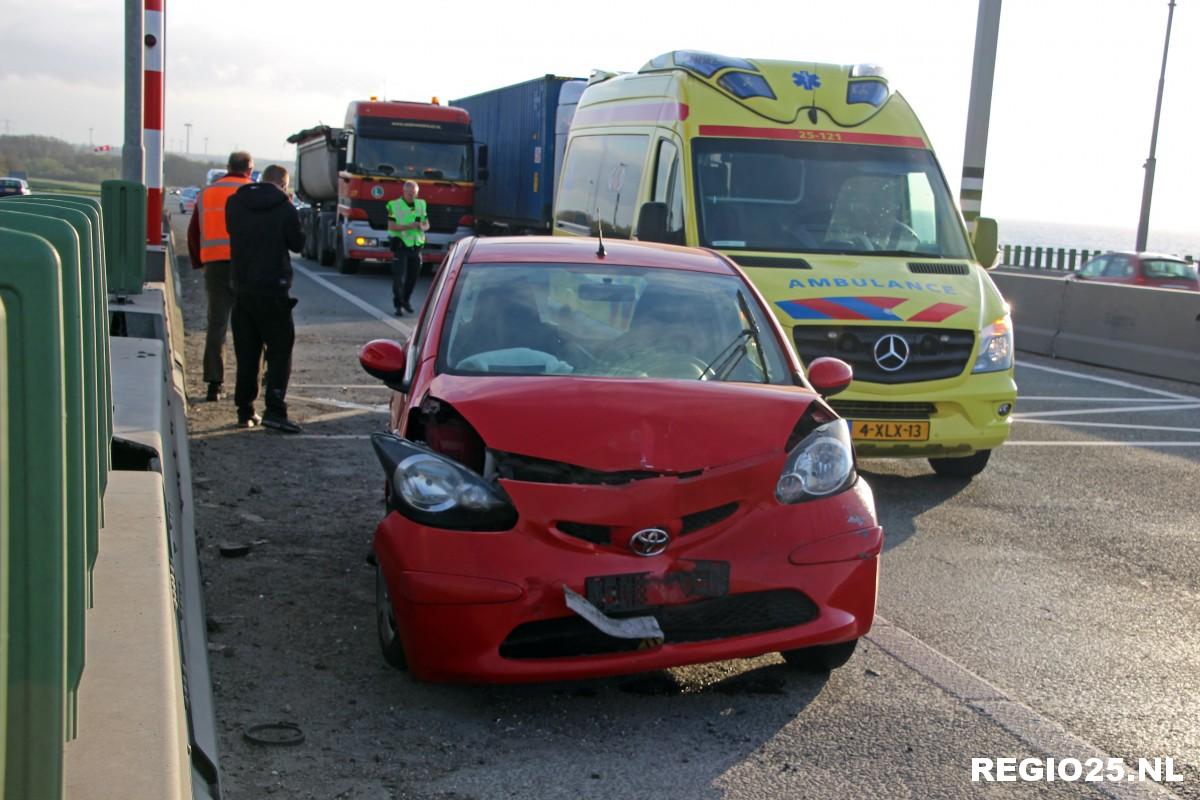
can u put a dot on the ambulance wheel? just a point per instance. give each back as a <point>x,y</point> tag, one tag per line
<point>967,467</point>
<point>385,620</point>
<point>821,658</point>
<point>345,265</point>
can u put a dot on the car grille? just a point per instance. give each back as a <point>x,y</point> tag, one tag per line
<point>855,409</point>
<point>703,519</point>
<point>596,534</point>
<point>934,353</point>
<point>702,621</point>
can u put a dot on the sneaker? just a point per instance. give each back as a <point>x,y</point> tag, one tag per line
<point>216,391</point>
<point>282,424</point>
<point>250,421</point>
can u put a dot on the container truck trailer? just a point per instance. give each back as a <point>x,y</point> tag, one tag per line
<point>520,132</point>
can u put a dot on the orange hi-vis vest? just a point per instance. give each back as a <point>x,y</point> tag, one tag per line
<point>210,209</point>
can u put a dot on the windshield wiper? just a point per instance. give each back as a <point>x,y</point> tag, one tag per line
<point>732,354</point>
<point>762,360</point>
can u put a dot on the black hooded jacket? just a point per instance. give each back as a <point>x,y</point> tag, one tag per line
<point>263,226</point>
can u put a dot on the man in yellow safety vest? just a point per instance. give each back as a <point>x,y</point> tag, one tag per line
<point>407,222</point>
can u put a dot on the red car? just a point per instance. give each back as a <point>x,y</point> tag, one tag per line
<point>606,461</point>
<point>1141,269</point>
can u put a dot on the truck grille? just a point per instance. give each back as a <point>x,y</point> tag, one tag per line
<point>444,219</point>
<point>933,353</point>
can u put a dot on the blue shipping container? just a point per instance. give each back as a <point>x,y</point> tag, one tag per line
<point>519,126</point>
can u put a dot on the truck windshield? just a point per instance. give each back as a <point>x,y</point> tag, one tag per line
<point>401,158</point>
<point>821,197</point>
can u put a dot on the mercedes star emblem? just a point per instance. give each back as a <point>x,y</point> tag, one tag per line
<point>891,352</point>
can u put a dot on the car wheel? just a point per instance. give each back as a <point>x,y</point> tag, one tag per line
<point>967,467</point>
<point>346,266</point>
<point>821,658</point>
<point>385,623</point>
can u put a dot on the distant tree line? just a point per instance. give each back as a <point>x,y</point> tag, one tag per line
<point>47,157</point>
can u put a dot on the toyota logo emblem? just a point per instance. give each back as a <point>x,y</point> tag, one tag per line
<point>891,352</point>
<point>649,542</point>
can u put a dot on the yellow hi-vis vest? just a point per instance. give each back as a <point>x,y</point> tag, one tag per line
<point>403,214</point>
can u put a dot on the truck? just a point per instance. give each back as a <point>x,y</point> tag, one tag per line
<point>346,176</point>
<point>520,132</point>
<point>819,181</point>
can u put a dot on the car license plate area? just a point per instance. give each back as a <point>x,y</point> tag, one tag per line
<point>888,431</point>
<point>635,591</point>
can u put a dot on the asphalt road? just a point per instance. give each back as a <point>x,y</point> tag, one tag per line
<point>1049,607</point>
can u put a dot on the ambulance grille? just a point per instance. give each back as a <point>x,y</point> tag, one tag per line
<point>858,409</point>
<point>934,353</point>
<point>937,268</point>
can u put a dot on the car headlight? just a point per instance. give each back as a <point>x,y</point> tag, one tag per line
<point>995,347</point>
<point>433,490</point>
<point>820,465</point>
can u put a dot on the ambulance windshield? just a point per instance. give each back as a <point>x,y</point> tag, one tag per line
<point>824,197</point>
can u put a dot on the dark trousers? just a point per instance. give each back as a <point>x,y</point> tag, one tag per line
<point>406,266</point>
<point>262,323</point>
<point>218,285</point>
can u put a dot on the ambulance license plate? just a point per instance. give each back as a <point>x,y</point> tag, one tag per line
<point>875,431</point>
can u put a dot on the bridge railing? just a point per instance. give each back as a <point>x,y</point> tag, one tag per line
<point>1052,258</point>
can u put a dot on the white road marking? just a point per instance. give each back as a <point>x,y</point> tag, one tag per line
<point>1125,425</point>
<point>1092,411</point>
<point>353,299</point>
<point>1041,733</point>
<point>325,401</point>
<point>1046,398</point>
<point>1110,381</point>
<point>1011,443</point>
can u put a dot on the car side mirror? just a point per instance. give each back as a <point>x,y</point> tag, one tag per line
<point>385,359</point>
<point>986,241</point>
<point>829,376</point>
<point>652,222</point>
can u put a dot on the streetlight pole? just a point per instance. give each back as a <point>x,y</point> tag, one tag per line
<point>187,148</point>
<point>1148,187</point>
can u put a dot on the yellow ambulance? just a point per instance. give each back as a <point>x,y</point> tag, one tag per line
<point>820,182</point>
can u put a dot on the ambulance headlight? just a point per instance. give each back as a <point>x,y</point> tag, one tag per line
<point>995,347</point>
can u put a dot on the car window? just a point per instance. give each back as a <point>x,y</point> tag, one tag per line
<point>1119,266</point>
<point>1094,268</point>
<point>610,321</point>
<point>1166,268</point>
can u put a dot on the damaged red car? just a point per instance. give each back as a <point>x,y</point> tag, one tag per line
<point>605,459</point>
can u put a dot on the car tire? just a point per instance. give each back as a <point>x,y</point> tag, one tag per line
<point>821,658</point>
<point>967,467</point>
<point>385,624</point>
<point>346,266</point>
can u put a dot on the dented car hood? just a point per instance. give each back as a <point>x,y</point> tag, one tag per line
<point>613,425</point>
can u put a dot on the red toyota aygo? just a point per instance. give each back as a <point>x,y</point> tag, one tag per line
<point>606,459</point>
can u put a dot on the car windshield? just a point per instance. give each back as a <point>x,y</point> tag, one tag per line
<point>611,321</point>
<point>821,197</point>
<point>399,158</point>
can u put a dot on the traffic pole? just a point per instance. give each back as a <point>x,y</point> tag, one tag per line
<point>152,135</point>
<point>979,110</point>
<point>131,152</point>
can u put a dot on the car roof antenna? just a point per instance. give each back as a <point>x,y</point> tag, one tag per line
<point>600,234</point>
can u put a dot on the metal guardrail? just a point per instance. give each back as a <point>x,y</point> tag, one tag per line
<point>1055,258</point>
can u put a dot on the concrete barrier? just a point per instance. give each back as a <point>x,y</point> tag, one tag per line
<point>1133,328</point>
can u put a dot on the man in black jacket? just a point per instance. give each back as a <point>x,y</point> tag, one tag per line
<point>263,227</point>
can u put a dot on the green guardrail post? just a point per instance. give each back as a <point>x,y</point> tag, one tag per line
<point>5,602</point>
<point>82,444</point>
<point>1027,261</point>
<point>124,204</point>
<point>37,693</point>
<point>1084,257</point>
<point>92,258</point>
<point>1007,254</point>
<point>1071,254</point>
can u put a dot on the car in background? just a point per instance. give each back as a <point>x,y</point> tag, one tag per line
<point>187,199</point>
<point>1140,269</point>
<point>605,460</point>
<point>10,187</point>
<point>215,174</point>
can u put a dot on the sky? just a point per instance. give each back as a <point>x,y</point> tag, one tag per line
<point>1071,117</point>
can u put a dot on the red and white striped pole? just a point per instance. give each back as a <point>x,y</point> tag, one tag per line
<point>152,125</point>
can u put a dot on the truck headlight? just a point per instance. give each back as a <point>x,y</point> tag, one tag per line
<point>820,465</point>
<point>995,347</point>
